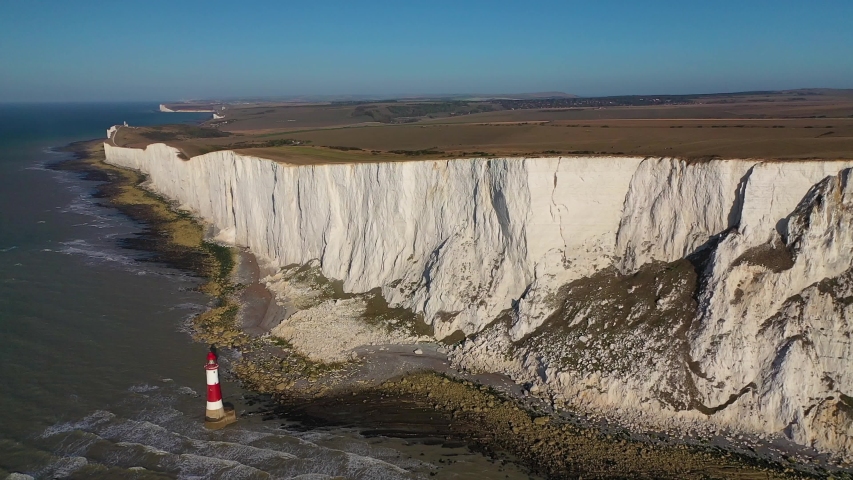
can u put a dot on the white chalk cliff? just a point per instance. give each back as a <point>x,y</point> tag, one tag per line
<point>711,293</point>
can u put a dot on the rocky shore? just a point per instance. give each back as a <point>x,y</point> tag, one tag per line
<point>487,411</point>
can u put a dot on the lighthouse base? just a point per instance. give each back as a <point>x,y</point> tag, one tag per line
<point>229,418</point>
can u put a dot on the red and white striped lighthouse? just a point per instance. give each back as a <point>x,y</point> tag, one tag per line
<point>215,411</point>
<point>215,415</point>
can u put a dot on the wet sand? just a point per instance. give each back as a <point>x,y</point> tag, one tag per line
<point>259,311</point>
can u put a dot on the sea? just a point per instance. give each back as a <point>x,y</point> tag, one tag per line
<point>99,376</point>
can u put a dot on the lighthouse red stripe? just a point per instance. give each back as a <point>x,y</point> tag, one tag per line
<point>214,393</point>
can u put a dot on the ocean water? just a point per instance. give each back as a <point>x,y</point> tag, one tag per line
<point>98,375</point>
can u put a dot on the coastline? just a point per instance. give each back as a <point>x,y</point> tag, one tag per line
<point>493,420</point>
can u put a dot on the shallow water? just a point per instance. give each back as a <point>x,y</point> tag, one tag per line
<point>98,374</point>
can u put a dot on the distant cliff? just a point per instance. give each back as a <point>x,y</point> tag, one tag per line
<point>661,291</point>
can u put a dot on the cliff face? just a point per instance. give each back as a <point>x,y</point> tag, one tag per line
<point>661,290</point>
<point>456,240</point>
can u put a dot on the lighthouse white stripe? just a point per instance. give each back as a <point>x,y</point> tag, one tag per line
<point>213,377</point>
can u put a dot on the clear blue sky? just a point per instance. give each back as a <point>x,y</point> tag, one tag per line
<point>170,50</point>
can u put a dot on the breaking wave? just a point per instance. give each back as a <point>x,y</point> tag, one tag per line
<point>128,260</point>
<point>160,439</point>
<point>86,249</point>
